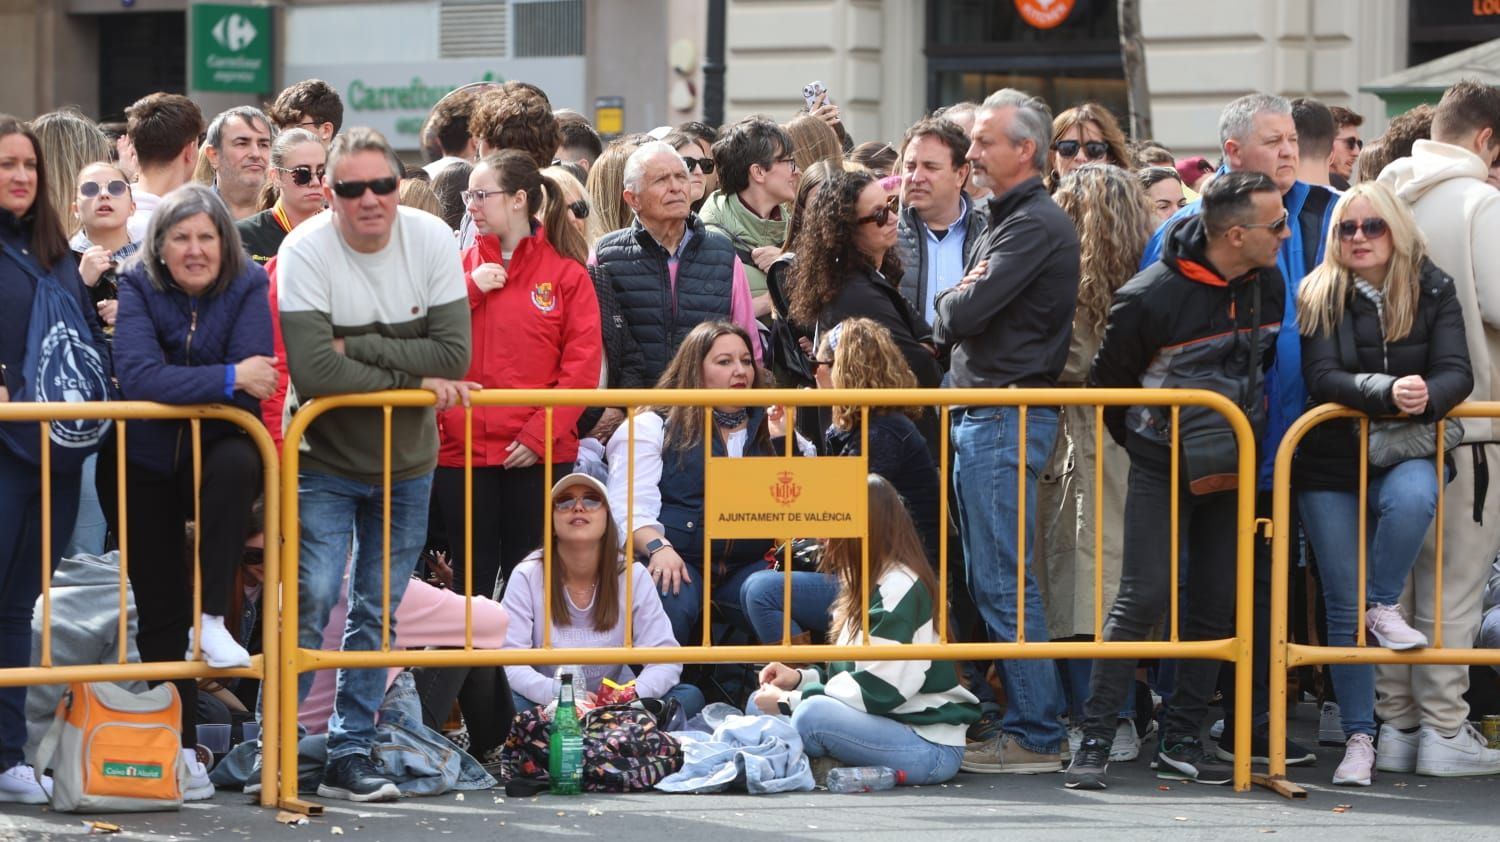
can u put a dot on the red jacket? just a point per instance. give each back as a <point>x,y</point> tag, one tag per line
<point>539,331</point>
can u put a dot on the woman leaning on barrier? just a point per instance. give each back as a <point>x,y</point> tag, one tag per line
<point>667,476</point>
<point>908,715</point>
<point>33,253</point>
<point>194,327</point>
<point>588,606</point>
<point>1382,332</point>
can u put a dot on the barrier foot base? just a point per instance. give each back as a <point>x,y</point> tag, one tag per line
<point>1279,785</point>
<point>297,805</point>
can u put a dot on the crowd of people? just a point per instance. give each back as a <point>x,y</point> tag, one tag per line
<point>265,258</point>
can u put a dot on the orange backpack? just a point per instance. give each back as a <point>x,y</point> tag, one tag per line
<point>112,750</point>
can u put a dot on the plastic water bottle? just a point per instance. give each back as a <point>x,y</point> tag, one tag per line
<point>864,778</point>
<point>565,746</point>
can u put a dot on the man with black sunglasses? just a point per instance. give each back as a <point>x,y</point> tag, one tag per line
<point>372,297</point>
<point>1346,146</point>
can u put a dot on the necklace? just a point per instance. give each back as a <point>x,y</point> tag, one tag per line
<point>584,598</point>
<point>734,419</point>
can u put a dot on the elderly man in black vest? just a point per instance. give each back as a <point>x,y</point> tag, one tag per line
<point>669,273</point>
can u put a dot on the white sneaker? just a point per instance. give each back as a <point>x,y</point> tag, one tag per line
<point>1466,753</point>
<point>1396,750</point>
<point>1075,739</point>
<point>19,785</point>
<point>1359,758</point>
<point>1390,629</point>
<point>199,788</point>
<point>1330,725</point>
<point>220,649</point>
<point>1216,730</point>
<point>1127,744</point>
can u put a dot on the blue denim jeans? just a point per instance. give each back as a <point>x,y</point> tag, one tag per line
<point>339,514</point>
<point>685,607</point>
<point>812,594</point>
<point>985,472</point>
<point>1402,501</point>
<point>830,728</point>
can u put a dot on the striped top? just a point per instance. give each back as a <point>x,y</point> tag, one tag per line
<point>923,694</point>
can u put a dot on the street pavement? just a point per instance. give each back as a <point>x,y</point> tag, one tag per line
<point>972,807</point>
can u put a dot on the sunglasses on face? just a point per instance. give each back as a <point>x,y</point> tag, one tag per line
<point>591,503</point>
<point>1374,228</point>
<point>882,216</point>
<point>579,209</point>
<point>90,189</point>
<point>304,175</point>
<point>355,189</point>
<point>1354,143</point>
<point>704,164</point>
<point>1274,227</point>
<point>1093,149</point>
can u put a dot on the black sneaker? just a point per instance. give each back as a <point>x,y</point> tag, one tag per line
<point>354,778</point>
<point>1090,763</point>
<point>1183,759</point>
<point>1260,749</point>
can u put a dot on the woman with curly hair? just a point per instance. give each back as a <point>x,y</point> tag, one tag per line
<point>1113,215</point>
<point>856,354</point>
<point>1082,135</point>
<point>849,268</point>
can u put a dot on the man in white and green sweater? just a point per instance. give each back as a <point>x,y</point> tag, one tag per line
<point>371,297</point>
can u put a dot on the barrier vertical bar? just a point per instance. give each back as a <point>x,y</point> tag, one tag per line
<point>943,480</point>
<point>548,543</point>
<point>1020,526</point>
<point>709,431</point>
<point>1362,546</point>
<point>864,546</point>
<point>630,524</point>
<point>46,560</point>
<point>1244,596</point>
<point>123,539</point>
<point>385,513</point>
<point>468,526</point>
<point>1437,539</point>
<point>790,427</point>
<point>196,425</point>
<point>1099,522</point>
<point>1172,539</point>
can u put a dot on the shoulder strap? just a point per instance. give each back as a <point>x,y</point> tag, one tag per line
<point>48,746</point>
<point>25,266</point>
<point>1310,219</point>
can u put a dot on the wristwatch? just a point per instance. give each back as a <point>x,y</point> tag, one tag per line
<point>656,544</point>
<point>784,707</point>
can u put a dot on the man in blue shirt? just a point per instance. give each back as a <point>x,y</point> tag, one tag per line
<point>939,225</point>
<point>1257,134</point>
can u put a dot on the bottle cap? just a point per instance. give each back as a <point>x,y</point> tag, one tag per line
<point>900,777</point>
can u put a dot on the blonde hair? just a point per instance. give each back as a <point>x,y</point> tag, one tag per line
<point>1323,293</point>
<point>416,193</point>
<point>606,188</point>
<point>1112,213</point>
<point>866,358</point>
<point>569,185</point>
<point>813,140</point>
<point>203,171</point>
<point>69,142</point>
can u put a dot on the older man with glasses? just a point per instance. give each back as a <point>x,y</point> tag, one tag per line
<point>372,297</point>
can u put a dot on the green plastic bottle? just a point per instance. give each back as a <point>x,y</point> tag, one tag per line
<point>565,747</point>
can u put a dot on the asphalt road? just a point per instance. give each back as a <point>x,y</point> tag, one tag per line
<point>1136,806</point>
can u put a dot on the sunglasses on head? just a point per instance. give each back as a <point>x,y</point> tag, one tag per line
<point>90,189</point>
<point>704,164</point>
<point>1373,226</point>
<point>1093,149</point>
<point>579,209</point>
<point>304,175</point>
<point>355,189</point>
<point>882,216</point>
<point>591,503</point>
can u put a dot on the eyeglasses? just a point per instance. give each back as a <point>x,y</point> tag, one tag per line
<point>1354,143</point>
<point>355,189</point>
<point>1274,227</point>
<point>307,124</point>
<point>579,209</point>
<point>90,189</point>
<point>1093,149</point>
<point>304,175</point>
<point>882,216</point>
<point>590,502</point>
<point>1373,226</point>
<point>704,164</point>
<point>477,197</point>
<point>785,159</point>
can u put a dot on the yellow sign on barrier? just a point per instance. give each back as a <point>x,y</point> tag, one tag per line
<point>778,497</point>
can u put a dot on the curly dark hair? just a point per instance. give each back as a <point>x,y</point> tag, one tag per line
<point>826,253</point>
<point>310,99</point>
<point>516,117</point>
<point>449,121</point>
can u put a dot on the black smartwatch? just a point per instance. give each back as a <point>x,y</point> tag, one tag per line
<point>656,544</point>
<point>786,709</point>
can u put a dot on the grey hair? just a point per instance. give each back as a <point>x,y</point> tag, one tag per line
<point>361,139</point>
<point>1237,119</point>
<point>1033,121</point>
<point>288,139</point>
<point>248,113</point>
<point>188,201</point>
<point>635,165</point>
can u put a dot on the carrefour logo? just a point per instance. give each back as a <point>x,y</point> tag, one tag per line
<point>234,32</point>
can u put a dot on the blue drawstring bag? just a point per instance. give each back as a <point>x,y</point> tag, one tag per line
<point>61,366</point>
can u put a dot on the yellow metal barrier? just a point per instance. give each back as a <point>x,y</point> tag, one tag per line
<point>122,412</point>
<point>1286,655</point>
<point>1237,649</point>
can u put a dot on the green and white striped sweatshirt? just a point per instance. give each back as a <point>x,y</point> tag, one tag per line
<point>923,694</point>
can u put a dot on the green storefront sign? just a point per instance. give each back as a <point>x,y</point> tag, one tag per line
<point>231,48</point>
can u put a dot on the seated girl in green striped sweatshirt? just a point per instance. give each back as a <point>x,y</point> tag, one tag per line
<point>908,715</point>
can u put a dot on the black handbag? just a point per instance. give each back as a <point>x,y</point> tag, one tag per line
<point>1395,440</point>
<point>1210,454</point>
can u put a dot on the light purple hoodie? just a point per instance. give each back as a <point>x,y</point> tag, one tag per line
<point>524,603</point>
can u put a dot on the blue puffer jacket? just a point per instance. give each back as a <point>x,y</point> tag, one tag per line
<point>174,348</point>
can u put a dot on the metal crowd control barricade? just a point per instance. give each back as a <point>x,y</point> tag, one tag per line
<point>1286,655</point>
<point>775,497</point>
<point>262,666</point>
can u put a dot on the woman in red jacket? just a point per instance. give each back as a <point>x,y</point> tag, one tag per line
<point>536,326</point>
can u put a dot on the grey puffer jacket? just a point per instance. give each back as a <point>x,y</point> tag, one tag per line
<point>911,246</point>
